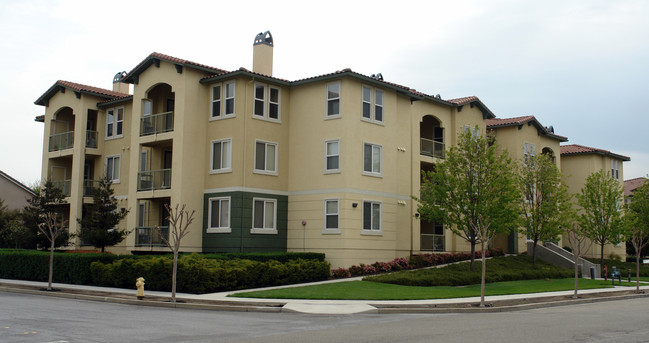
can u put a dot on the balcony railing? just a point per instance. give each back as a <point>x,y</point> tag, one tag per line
<point>432,148</point>
<point>431,242</point>
<point>61,141</point>
<point>91,139</point>
<point>63,185</point>
<point>148,236</point>
<point>154,180</point>
<point>89,187</point>
<point>157,123</point>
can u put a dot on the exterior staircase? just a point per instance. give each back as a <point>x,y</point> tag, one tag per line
<point>554,254</point>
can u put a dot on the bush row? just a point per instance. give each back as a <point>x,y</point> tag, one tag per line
<point>499,269</point>
<point>413,262</point>
<point>199,274</point>
<point>74,268</point>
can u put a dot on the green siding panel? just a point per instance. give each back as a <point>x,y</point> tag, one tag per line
<point>240,239</point>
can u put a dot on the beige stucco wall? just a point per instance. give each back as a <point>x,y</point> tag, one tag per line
<point>13,196</point>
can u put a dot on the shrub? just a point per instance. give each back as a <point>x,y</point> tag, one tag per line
<point>340,273</point>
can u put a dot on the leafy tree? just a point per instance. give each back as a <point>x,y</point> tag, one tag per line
<point>48,199</point>
<point>636,221</point>
<point>474,192</point>
<point>179,221</point>
<point>546,205</point>
<point>51,228</point>
<point>101,218</point>
<point>601,199</point>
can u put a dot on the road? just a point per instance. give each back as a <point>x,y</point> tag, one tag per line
<point>29,318</point>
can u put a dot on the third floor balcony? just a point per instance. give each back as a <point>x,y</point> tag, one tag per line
<point>157,123</point>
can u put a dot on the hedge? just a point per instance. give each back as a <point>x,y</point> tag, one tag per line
<point>509,268</point>
<point>199,274</point>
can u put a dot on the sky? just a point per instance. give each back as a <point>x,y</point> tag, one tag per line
<point>581,66</point>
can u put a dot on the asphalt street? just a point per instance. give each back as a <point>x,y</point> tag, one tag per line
<point>30,318</point>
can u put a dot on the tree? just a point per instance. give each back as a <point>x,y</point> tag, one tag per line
<point>636,220</point>
<point>578,239</point>
<point>179,221</point>
<point>474,192</point>
<point>601,199</point>
<point>48,199</point>
<point>51,228</point>
<point>545,203</point>
<point>99,224</point>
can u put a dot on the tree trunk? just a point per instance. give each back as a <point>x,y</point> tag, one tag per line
<point>534,252</point>
<point>575,253</point>
<point>601,256</point>
<point>473,255</point>
<point>484,273</point>
<point>173,276</point>
<point>637,271</point>
<point>49,278</point>
<point>102,250</point>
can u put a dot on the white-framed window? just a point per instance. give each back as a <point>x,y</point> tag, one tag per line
<point>223,100</point>
<point>265,157</point>
<point>528,151</point>
<point>332,156</point>
<point>615,169</point>
<point>221,160</point>
<point>474,130</point>
<point>371,216</point>
<point>112,168</point>
<point>372,104</point>
<point>219,215</point>
<point>264,216</point>
<point>115,122</point>
<point>372,159</point>
<point>331,215</point>
<point>267,102</point>
<point>333,99</point>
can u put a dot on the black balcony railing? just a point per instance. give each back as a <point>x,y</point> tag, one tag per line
<point>157,123</point>
<point>148,236</point>
<point>61,141</point>
<point>154,180</point>
<point>432,148</point>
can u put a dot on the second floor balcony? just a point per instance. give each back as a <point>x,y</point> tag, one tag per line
<point>61,141</point>
<point>157,123</point>
<point>432,148</point>
<point>154,180</point>
<point>63,185</point>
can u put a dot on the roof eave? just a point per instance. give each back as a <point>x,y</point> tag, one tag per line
<point>245,73</point>
<point>114,102</point>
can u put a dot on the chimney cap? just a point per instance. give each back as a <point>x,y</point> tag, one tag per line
<point>264,38</point>
<point>119,76</point>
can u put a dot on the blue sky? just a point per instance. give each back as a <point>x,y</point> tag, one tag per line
<point>581,66</point>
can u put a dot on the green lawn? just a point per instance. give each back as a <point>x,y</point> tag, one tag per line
<point>365,290</point>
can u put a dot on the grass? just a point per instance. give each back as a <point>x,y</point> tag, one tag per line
<point>364,290</point>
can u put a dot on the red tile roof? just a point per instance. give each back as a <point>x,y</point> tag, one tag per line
<point>504,122</point>
<point>464,100</point>
<point>77,87</point>
<point>576,149</point>
<point>156,55</point>
<point>631,185</point>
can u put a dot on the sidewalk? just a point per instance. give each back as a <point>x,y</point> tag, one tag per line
<point>221,301</point>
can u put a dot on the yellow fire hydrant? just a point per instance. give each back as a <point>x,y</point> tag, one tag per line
<point>139,283</point>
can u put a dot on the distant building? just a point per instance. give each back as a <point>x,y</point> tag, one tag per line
<point>13,193</point>
<point>631,185</point>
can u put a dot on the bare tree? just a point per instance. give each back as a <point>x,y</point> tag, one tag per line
<point>579,243</point>
<point>636,222</point>
<point>51,229</point>
<point>179,221</point>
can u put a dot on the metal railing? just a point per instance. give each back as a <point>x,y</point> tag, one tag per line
<point>431,242</point>
<point>63,185</point>
<point>157,123</point>
<point>91,139</point>
<point>89,187</point>
<point>61,141</point>
<point>432,148</point>
<point>148,236</point>
<point>154,180</point>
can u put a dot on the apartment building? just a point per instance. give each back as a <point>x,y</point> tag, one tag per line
<point>578,162</point>
<point>327,163</point>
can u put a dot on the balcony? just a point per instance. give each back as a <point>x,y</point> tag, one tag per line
<point>63,185</point>
<point>157,123</point>
<point>61,141</point>
<point>89,187</point>
<point>154,180</point>
<point>91,139</point>
<point>432,148</point>
<point>148,236</point>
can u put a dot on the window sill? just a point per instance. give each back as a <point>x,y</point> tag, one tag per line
<point>264,172</point>
<point>221,171</point>
<point>219,230</point>
<point>332,171</point>
<point>276,121</point>
<point>372,232</point>
<point>228,116</point>
<point>331,232</point>
<point>113,137</point>
<point>263,231</point>
<point>372,121</point>
<point>379,175</point>
<point>334,116</point>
